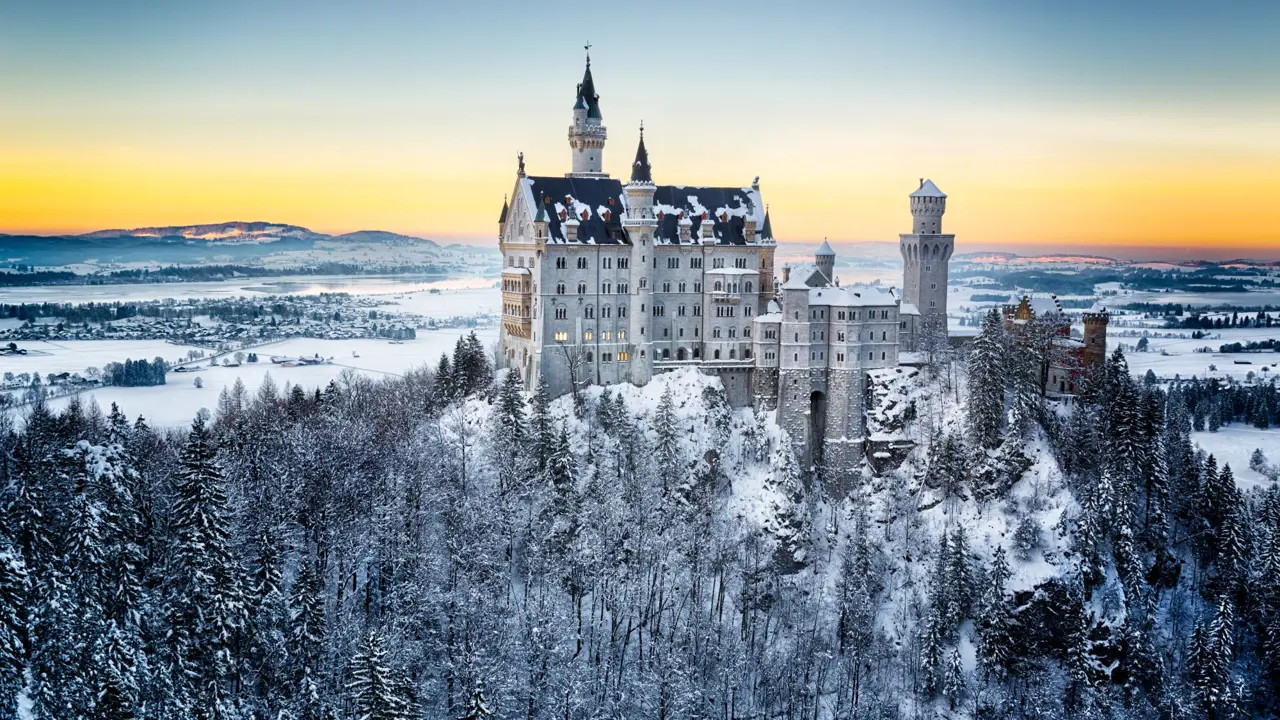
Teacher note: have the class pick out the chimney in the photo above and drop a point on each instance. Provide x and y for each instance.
(686, 229)
(571, 230)
(706, 233)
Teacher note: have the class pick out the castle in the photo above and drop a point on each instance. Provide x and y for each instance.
(607, 282)
(1067, 359)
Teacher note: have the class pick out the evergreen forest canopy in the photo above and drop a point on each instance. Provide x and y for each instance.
(448, 545)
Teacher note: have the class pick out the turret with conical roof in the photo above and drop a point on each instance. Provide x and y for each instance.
(825, 259)
(587, 133)
(640, 170)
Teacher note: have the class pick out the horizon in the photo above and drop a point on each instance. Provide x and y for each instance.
(1090, 129)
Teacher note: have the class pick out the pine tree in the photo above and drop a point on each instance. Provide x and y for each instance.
(13, 649)
(540, 425)
(931, 645)
(996, 621)
(1209, 662)
(306, 644)
(987, 382)
(206, 607)
(953, 684)
(667, 448)
(373, 690)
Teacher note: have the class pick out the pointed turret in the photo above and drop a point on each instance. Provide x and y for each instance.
(640, 170)
(587, 135)
(503, 217)
(766, 232)
(825, 259)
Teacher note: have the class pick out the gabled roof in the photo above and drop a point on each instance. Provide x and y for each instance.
(728, 208)
(928, 189)
(596, 204)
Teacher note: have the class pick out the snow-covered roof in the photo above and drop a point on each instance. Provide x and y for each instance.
(728, 209)
(928, 189)
(595, 204)
(852, 296)
(796, 282)
(733, 271)
(515, 271)
(825, 250)
(908, 309)
(772, 317)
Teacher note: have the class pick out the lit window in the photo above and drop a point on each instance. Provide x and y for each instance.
(588, 335)
(562, 336)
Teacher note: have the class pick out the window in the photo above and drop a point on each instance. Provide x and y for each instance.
(561, 263)
(606, 288)
(746, 287)
(606, 262)
(717, 286)
(589, 312)
(666, 287)
(715, 332)
(606, 335)
(717, 263)
(747, 311)
(680, 311)
(624, 356)
(746, 331)
(624, 263)
(770, 334)
(682, 287)
(882, 356)
(655, 262)
(588, 335)
(840, 315)
(839, 357)
(590, 357)
(511, 262)
(644, 283)
(839, 337)
(562, 313)
(697, 287)
(604, 311)
(740, 263)
(622, 311)
(733, 332)
(673, 263)
(621, 289)
(717, 355)
(582, 263)
(606, 357)
(559, 288)
(562, 336)
(695, 263)
(884, 335)
(666, 332)
(697, 311)
(582, 288)
(855, 315)
(622, 334)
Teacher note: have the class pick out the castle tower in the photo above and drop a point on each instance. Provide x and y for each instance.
(825, 259)
(640, 223)
(1095, 338)
(795, 392)
(926, 252)
(587, 133)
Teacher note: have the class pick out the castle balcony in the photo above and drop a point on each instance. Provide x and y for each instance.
(725, 297)
(517, 302)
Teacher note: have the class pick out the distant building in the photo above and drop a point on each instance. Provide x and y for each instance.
(1068, 359)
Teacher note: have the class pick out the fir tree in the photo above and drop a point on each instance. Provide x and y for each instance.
(953, 684)
(373, 690)
(540, 425)
(306, 644)
(987, 382)
(477, 708)
(206, 606)
(996, 622)
(13, 649)
(667, 447)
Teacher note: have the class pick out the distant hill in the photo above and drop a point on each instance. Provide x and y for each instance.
(253, 243)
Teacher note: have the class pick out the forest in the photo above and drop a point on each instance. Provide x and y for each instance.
(453, 545)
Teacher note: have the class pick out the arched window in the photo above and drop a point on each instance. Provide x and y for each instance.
(588, 335)
(589, 312)
(748, 287)
(582, 288)
(718, 285)
(590, 357)
(622, 311)
(717, 357)
(746, 354)
(559, 288)
(732, 353)
(582, 263)
(697, 353)
(666, 354)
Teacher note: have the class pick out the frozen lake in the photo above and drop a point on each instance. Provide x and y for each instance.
(426, 296)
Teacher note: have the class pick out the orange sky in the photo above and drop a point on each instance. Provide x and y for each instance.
(410, 120)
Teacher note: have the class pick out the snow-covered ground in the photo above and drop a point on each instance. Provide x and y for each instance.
(1183, 360)
(176, 402)
(1233, 444)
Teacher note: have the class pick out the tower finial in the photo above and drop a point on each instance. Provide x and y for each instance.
(587, 47)
(520, 160)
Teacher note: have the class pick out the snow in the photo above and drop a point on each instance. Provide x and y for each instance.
(1233, 444)
(928, 189)
(176, 402)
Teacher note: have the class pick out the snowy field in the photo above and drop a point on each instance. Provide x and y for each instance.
(1183, 360)
(1233, 444)
(176, 402)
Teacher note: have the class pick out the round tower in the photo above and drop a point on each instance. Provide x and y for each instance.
(640, 224)
(587, 133)
(825, 259)
(1095, 338)
(927, 207)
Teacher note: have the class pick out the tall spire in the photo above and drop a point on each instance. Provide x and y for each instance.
(640, 170)
(587, 96)
(766, 232)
